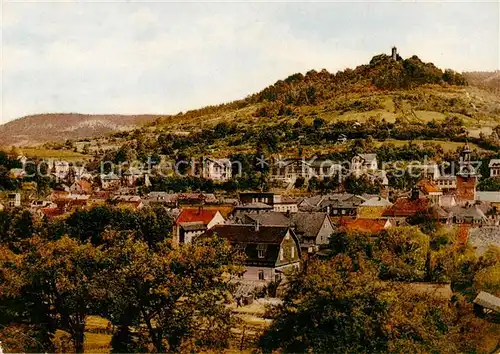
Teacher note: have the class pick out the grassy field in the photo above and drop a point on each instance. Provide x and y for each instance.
(446, 145)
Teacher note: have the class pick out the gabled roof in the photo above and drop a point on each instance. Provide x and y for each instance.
(429, 188)
(110, 177)
(51, 212)
(252, 238)
(472, 212)
(85, 185)
(494, 163)
(256, 205)
(196, 215)
(363, 225)
(488, 301)
(250, 234)
(376, 202)
(307, 224)
(368, 157)
(407, 207)
(268, 219)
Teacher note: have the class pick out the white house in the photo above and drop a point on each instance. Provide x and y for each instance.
(217, 169)
(494, 166)
(362, 163)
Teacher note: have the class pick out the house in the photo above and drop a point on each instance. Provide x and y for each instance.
(17, 173)
(491, 197)
(132, 175)
(363, 163)
(81, 187)
(409, 206)
(50, 212)
(371, 226)
(373, 208)
(110, 181)
(14, 200)
(195, 198)
(257, 197)
(61, 170)
(289, 170)
(285, 204)
(38, 204)
(217, 169)
(431, 191)
(71, 202)
(494, 167)
(446, 182)
(341, 205)
(468, 214)
(312, 228)
(133, 202)
(192, 222)
(486, 303)
(161, 198)
(271, 251)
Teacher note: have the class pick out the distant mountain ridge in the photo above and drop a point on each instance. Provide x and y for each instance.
(59, 127)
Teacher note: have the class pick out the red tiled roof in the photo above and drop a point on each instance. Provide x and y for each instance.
(85, 185)
(196, 214)
(51, 212)
(407, 207)
(429, 187)
(363, 225)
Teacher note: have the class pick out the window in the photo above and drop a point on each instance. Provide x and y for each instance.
(293, 251)
(277, 277)
(261, 274)
(240, 247)
(261, 251)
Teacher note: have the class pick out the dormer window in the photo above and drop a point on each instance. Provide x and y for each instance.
(240, 247)
(261, 250)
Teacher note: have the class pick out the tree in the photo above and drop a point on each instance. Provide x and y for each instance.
(177, 294)
(338, 308)
(402, 254)
(56, 281)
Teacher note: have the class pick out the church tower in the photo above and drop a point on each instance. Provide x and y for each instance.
(467, 176)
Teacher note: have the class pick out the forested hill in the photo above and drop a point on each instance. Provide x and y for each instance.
(381, 74)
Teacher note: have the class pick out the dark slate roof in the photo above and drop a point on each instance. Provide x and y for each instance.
(307, 224)
(249, 234)
(269, 237)
(268, 219)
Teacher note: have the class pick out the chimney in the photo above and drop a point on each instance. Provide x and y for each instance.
(415, 193)
(257, 225)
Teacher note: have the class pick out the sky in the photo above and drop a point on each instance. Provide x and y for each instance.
(163, 57)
